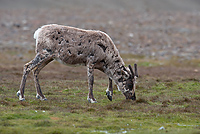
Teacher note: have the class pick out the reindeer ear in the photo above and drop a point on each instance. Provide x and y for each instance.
(136, 72)
(132, 73)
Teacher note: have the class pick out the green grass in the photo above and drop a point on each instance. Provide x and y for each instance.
(173, 105)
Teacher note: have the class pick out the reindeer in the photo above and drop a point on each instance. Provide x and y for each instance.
(70, 45)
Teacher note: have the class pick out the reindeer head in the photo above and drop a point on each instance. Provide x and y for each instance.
(129, 81)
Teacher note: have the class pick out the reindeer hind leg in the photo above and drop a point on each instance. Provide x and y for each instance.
(27, 68)
(36, 72)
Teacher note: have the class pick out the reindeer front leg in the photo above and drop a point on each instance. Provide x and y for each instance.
(109, 91)
(90, 72)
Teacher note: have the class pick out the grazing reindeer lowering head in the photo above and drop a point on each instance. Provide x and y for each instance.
(125, 79)
(70, 45)
(129, 84)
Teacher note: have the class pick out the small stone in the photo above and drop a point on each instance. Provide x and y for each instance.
(130, 34)
(161, 128)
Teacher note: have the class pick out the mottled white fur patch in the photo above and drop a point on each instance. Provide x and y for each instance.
(36, 35)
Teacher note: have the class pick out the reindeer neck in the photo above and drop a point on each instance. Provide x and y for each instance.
(114, 71)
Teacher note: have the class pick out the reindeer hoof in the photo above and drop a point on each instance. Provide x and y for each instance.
(18, 93)
(39, 97)
(44, 99)
(90, 100)
(108, 93)
(20, 97)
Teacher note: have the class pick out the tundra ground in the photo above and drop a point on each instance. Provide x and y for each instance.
(168, 99)
(161, 37)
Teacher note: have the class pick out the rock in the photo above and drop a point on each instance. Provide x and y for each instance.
(161, 128)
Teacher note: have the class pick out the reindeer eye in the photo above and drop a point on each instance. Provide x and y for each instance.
(130, 86)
